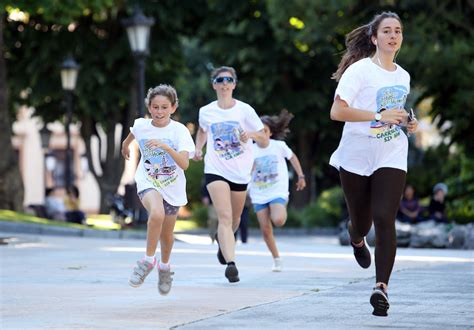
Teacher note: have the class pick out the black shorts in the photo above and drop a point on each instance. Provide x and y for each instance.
(233, 186)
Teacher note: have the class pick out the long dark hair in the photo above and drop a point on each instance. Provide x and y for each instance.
(278, 125)
(359, 42)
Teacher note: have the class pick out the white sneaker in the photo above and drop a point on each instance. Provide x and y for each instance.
(165, 280)
(276, 265)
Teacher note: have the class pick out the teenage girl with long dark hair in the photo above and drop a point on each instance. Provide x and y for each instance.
(372, 154)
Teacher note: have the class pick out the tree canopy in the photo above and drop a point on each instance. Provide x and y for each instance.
(284, 53)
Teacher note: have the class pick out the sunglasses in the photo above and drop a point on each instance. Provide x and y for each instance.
(221, 80)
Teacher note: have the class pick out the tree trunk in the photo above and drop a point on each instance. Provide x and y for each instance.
(112, 165)
(305, 152)
(11, 185)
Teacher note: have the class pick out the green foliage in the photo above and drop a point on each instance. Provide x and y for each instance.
(284, 52)
(326, 211)
(461, 191)
(430, 167)
(461, 211)
(295, 218)
(200, 215)
(194, 180)
(438, 53)
(452, 166)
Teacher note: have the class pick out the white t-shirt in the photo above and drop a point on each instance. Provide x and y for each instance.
(157, 169)
(270, 173)
(368, 146)
(226, 155)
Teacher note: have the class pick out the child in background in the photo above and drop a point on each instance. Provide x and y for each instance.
(165, 147)
(54, 204)
(72, 202)
(268, 189)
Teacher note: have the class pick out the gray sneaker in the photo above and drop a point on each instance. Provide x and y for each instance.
(164, 281)
(140, 272)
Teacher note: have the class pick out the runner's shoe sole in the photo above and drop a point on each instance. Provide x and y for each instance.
(379, 302)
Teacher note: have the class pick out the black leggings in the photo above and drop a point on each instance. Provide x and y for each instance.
(376, 197)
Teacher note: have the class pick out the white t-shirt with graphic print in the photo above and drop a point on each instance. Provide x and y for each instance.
(226, 155)
(157, 169)
(270, 172)
(368, 146)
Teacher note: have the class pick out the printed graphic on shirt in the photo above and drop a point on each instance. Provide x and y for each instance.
(393, 97)
(265, 172)
(226, 137)
(159, 166)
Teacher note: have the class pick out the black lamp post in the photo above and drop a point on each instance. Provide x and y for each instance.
(45, 135)
(69, 71)
(138, 31)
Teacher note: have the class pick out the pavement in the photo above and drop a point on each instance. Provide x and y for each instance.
(70, 282)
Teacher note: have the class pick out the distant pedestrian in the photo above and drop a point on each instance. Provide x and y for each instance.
(165, 147)
(74, 213)
(54, 203)
(268, 189)
(372, 154)
(410, 209)
(437, 207)
(228, 126)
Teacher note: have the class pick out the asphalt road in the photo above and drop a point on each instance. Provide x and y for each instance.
(56, 282)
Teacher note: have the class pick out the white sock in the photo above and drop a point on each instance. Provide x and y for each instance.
(151, 259)
(164, 266)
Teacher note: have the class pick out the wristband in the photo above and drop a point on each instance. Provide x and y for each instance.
(301, 176)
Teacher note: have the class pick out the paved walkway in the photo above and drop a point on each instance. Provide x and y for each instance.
(54, 282)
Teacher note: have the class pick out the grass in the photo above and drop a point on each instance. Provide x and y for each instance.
(94, 221)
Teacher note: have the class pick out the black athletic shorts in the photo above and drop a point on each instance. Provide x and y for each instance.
(233, 186)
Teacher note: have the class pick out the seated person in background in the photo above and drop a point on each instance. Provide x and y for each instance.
(438, 203)
(54, 204)
(410, 209)
(74, 213)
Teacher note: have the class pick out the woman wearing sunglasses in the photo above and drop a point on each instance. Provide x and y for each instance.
(228, 126)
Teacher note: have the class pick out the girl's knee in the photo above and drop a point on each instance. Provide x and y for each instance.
(225, 223)
(156, 217)
(279, 222)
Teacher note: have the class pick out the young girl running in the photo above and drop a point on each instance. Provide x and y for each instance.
(268, 189)
(227, 126)
(165, 147)
(372, 154)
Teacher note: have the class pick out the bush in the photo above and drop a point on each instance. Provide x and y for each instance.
(326, 211)
(194, 180)
(200, 215)
(295, 218)
(461, 211)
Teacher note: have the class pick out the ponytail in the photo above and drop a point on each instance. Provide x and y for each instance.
(278, 125)
(359, 43)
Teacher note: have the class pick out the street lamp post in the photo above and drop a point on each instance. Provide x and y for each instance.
(138, 31)
(69, 71)
(45, 135)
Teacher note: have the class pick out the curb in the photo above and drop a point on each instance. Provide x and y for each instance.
(40, 229)
(32, 228)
